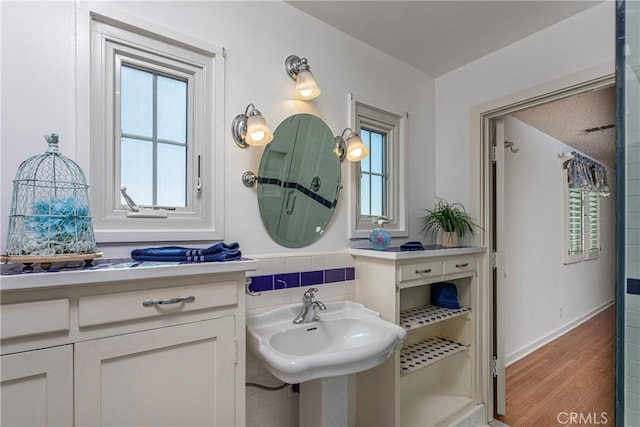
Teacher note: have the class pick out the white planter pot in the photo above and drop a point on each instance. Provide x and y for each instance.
(449, 240)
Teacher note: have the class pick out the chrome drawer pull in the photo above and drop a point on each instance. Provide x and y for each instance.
(466, 264)
(425, 271)
(167, 301)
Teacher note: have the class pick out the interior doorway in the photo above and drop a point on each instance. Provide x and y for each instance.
(549, 322)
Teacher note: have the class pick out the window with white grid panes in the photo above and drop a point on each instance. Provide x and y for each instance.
(153, 141)
(379, 177)
(154, 131)
(373, 175)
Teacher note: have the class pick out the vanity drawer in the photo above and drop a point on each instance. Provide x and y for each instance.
(31, 318)
(118, 307)
(459, 265)
(420, 270)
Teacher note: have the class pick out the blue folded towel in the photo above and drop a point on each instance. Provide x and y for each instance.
(444, 295)
(412, 246)
(218, 252)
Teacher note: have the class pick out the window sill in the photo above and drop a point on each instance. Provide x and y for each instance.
(162, 235)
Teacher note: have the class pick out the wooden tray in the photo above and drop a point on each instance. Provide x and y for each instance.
(46, 261)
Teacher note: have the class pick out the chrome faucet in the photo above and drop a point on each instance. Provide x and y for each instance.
(309, 306)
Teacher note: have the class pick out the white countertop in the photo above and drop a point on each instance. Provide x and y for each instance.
(394, 253)
(114, 271)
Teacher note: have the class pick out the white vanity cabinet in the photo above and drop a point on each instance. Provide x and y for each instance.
(185, 374)
(434, 379)
(37, 387)
(151, 346)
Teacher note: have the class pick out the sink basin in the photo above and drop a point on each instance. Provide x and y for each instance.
(348, 338)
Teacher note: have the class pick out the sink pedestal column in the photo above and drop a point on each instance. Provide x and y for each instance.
(325, 402)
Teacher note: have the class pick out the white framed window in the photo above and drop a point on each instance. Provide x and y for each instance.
(378, 181)
(374, 172)
(152, 112)
(156, 102)
(582, 224)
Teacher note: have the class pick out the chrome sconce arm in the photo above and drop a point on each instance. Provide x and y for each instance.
(250, 128)
(352, 148)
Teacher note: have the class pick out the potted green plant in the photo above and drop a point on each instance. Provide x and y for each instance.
(449, 219)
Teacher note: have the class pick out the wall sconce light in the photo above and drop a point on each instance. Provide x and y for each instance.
(250, 128)
(352, 147)
(298, 69)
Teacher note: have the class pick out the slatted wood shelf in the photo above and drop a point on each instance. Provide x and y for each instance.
(424, 353)
(417, 317)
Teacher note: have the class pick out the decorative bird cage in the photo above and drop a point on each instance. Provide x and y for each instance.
(50, 219)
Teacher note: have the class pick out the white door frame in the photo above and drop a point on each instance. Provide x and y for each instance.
(499, 272)
(481, 188)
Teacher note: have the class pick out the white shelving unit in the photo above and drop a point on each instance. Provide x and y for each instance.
(434, 379)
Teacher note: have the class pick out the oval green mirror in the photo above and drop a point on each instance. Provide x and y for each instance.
(299, 181)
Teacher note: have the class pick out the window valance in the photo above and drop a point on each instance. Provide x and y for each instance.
(586, 174)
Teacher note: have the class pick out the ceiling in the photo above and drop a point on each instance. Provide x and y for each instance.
(440, 36)
(568, 119)
(437, 37)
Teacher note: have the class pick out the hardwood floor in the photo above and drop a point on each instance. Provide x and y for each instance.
(569, 381)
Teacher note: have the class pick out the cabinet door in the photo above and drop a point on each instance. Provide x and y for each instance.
(176, 376)
(37, 388)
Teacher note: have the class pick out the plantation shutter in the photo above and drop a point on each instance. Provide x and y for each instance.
(575, 223)
(593, 225)
(586, 183)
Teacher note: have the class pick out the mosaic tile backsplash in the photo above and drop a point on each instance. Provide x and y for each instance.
(272, 282)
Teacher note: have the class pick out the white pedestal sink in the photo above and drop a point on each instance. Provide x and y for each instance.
(348, 338)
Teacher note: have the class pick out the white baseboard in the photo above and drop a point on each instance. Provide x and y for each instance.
(528, 349)
(474, 417)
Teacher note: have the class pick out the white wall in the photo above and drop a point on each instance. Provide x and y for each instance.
(543, 295)
(39, 84)
(579, 43)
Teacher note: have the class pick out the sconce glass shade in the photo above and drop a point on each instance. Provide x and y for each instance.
(306, 87)
(250, 128)
(298, 69)
(258, 133)
(353, 148)
(356, 150)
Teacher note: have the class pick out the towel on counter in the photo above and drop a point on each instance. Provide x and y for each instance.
(218, 252)
(444, 295)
